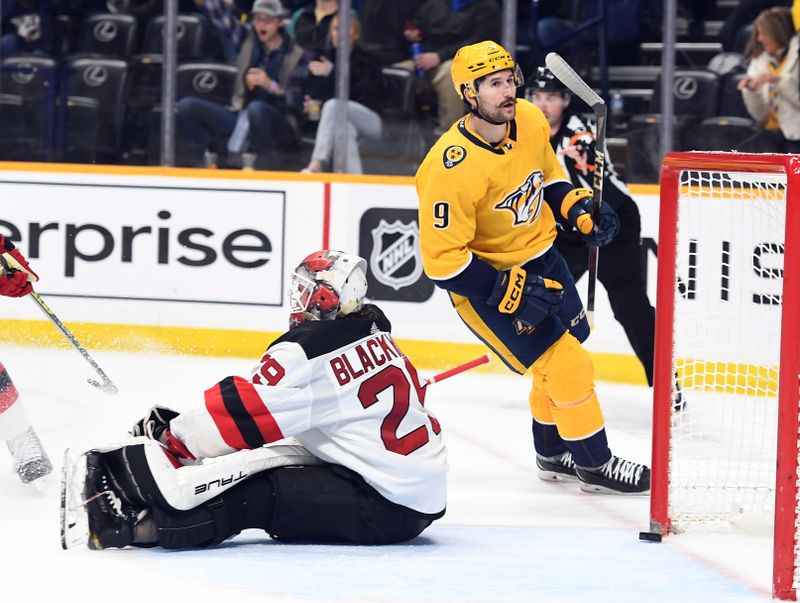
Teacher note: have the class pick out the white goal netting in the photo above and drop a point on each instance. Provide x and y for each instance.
(727, 330)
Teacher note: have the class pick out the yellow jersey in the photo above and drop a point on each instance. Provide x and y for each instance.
(488, 200)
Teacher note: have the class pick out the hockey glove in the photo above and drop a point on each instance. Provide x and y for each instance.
(15, 281)
(155, 423)
(156, 427)
(14, 284)
(577, 210)
(528, 298)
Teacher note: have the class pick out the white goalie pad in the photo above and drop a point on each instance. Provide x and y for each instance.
(74, 520)
(183, 488)
(186, 487)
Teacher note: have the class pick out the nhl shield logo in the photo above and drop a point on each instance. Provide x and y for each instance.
(394, 260)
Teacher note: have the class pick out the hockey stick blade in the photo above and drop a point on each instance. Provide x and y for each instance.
(572, 80)
(106, 387)
(486, 358)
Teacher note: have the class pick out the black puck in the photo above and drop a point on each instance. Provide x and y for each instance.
(650, 536)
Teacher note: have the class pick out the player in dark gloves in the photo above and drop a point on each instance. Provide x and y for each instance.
(490, 194)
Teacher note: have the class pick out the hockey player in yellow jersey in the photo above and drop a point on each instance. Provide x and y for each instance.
(490, 191)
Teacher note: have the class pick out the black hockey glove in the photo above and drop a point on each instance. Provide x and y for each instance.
(528, 298)
(576, 208)
(155, 423)
(605, 229)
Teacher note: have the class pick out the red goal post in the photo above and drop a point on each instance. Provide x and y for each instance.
(711, 210)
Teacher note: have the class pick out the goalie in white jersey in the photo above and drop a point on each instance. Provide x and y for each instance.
(370, 468)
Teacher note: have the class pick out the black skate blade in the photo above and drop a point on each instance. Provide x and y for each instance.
(74, 519)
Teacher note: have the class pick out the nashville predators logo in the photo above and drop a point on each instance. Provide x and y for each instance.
(525, 202)
(453, 155)
(522, 328)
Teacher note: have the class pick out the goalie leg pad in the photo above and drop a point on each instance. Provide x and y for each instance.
(334, 504)
(325, 503)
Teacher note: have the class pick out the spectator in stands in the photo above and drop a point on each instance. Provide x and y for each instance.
(771, 88)
(366, 90)
(310, 25)
(226, 18)
(743, 14)
(382, 23)
(27, 27)
(442, 27)
(266, 103)
(627, 24)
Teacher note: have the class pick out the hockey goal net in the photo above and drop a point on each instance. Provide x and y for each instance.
(727, 372)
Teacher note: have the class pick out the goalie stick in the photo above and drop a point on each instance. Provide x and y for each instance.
(581, 89)
(106, 385)
(486, 358)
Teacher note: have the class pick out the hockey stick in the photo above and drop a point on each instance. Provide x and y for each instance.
(107, 385)
(486, 358)
(576, 85)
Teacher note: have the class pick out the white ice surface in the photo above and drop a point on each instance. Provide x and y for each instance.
(506, 537)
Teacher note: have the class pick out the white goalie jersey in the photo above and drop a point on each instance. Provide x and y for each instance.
(347, 393)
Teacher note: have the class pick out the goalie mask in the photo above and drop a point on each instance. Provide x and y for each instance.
(327, 284)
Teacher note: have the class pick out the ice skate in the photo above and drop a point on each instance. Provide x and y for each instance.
(92, 512)
(556, 468)
(29, 458)
(111, 521)
(617, 476)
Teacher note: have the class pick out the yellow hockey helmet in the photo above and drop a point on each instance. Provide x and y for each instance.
(477, 60)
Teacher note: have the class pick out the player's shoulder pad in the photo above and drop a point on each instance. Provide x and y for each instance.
(321, 337)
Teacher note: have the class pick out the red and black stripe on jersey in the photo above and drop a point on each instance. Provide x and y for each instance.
(8, 393)
(321, 337)
(240, 415)
(242, 418)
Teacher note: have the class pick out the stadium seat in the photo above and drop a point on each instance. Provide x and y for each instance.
(105, 81)
(644, 136)
(211, 81)
(695, 93)
(27, 108)
(191, 34)
(80, 129)
(742, 37)
(731, 103)
(402, 145)
(108, 34)
(720, 134)
(727, 62)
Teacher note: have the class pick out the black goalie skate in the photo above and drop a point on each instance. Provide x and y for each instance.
(92, 511)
